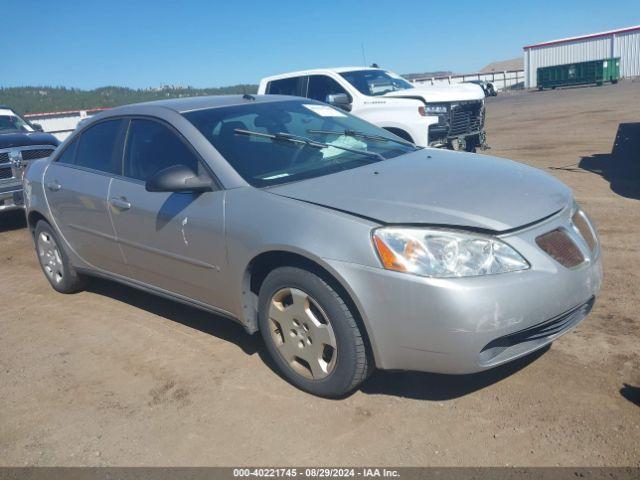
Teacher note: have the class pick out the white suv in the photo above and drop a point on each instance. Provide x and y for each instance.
(450, 116)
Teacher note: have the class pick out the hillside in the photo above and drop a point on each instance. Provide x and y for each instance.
(51, 99)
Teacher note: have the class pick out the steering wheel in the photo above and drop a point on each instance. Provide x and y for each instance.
(295, 159)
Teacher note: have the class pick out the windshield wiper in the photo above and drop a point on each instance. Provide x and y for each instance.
(356, 133)
(288, 137)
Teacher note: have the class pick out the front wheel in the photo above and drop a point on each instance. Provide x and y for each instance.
(311, 334)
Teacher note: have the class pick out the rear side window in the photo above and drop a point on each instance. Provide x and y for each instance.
(286, 86)
(320, 86)
(100, 147)
(69, 154)
(151, 147)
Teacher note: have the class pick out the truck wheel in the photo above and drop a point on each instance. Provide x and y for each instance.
(55, 262)
(400, 133)
(472, 144)
(310, 333)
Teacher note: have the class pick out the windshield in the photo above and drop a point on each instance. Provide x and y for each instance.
(277, 142)
(10, 122)
(376, 82)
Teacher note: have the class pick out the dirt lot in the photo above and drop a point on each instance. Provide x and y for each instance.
(112, 376)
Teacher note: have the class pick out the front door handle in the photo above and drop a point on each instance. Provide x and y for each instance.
(120, 203)
(54, 186)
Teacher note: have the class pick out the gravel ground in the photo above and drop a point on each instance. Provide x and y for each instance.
(112, 376)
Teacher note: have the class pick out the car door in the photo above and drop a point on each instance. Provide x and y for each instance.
(77, 185)
(172, 241)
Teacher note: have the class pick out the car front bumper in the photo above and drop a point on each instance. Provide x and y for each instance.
(465, 325)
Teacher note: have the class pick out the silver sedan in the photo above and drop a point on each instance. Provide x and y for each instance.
(345, 246)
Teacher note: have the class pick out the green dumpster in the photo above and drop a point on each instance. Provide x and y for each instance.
(583, 73)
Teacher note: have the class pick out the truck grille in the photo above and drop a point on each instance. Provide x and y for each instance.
(465, 118)
(28, 154)
(5, 172)
(35, 154)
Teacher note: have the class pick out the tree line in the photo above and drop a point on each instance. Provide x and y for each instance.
(51, 99)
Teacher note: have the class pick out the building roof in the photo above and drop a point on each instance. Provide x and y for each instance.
(504, 65)
(583, 37)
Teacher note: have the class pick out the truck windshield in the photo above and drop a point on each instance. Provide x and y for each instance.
(10, 122)
(269, 143)
(375, 82)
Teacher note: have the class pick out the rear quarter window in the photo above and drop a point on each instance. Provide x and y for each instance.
(286, 86)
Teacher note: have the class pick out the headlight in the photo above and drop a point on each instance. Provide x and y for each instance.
(433, 109)
(443, 254)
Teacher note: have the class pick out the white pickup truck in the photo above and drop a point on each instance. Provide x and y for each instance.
(450, 116)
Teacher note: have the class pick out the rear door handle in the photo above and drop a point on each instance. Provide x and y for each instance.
(54, 186)
(120, 203)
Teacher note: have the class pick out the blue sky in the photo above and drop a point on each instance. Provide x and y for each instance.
(140, 43)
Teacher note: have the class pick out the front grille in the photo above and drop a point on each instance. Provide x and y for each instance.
(35, 154)
(4, 157)
(585, 230)
(5, 173)
(538, 333)
(559, 245)
(465, 118)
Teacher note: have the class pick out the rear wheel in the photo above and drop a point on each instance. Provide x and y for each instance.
(310, 333)
(55, 262)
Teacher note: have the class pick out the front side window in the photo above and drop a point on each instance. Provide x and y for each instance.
(100, 147)
(151, 147)
(286, 86)
(320, 86)
(375, 82)
(269, 143)
(69, 154)
(10, 122)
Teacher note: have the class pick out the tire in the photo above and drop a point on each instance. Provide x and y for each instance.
(471, 145)
(330, 333)
(400, 133)
(54, 261)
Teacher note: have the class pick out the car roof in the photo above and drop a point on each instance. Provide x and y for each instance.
(187, 104)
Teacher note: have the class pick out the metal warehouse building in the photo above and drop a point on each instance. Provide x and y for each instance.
(623, 43)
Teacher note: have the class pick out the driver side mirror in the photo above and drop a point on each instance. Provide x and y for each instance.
(178, 178)
(340, 100)
(37, 127)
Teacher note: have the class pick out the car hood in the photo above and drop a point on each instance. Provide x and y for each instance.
(26, 139)
(441, 93)
(437, 187)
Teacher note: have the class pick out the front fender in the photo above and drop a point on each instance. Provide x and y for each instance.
(33, 186)
(257, 222)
